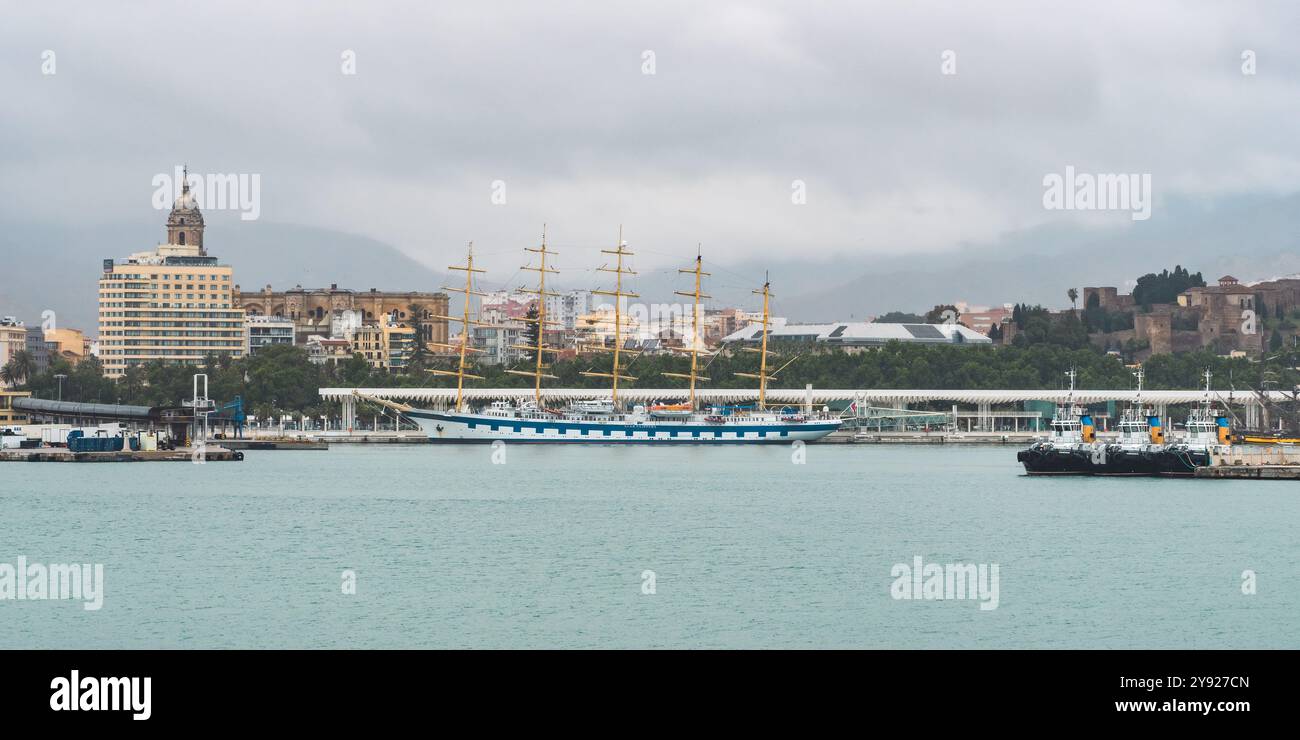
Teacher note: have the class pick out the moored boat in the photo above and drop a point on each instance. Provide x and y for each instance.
(606, 420)
(1137, 450)
(1069, 446)
(1208, 433)
(671, 410)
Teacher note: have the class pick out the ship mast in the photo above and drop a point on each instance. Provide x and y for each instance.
(1140, 373)
(463, 347)
(618, 295)
(762, 375)
(695, 327)
(540, 348)
(1208, 402)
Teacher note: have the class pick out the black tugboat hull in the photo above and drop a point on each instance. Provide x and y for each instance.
(1048, 461)
(1053, 462)
(1128, 462)
(1181, 463)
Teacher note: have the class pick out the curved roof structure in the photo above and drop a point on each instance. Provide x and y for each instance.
(884, 396)
(863, 334)
(82, 410)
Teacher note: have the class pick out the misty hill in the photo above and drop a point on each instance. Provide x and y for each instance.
(1252, 238)
(56, 266)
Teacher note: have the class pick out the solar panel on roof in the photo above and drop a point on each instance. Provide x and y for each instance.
(923, 331)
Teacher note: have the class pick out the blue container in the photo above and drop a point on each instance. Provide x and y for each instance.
(80, 443)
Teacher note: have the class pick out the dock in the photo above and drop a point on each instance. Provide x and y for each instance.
(1250, 472)
(274, 444)
(928, 438)
(381, 438)
(1253, 462)
(63, 454)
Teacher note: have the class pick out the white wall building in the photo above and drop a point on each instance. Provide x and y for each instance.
(343, 324)
(264, 331)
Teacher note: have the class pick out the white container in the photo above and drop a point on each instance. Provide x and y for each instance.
(55, 434)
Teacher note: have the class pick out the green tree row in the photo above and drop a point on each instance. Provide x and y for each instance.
(281, 379)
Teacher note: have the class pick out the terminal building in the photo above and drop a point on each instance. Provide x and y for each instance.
(861, 334)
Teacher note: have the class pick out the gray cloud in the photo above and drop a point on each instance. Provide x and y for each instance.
(550, 98)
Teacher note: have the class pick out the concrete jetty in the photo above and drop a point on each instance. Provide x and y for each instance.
(63, 454)
(1251, 472)
(274, 444)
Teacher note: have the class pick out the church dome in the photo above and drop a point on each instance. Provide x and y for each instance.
(185, 222)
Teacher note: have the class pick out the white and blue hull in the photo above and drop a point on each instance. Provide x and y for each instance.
(456, 427)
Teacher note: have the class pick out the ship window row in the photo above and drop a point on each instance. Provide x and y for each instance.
(648, 434)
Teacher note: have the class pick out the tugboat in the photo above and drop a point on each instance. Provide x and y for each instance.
(1070, 448)
(1207, 433)
(1140, 445)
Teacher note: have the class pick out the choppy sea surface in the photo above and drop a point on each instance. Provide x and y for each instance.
(585, 547)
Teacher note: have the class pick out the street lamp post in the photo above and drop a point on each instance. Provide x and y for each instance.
(60, 377)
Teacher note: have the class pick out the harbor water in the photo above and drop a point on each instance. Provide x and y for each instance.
(575, 546)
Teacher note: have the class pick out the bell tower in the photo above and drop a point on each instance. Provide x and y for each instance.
(185, 222)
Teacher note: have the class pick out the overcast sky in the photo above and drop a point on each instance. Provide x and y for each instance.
(551, 98)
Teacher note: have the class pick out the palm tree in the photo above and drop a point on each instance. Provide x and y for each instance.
(20, 368)
(1073, 293)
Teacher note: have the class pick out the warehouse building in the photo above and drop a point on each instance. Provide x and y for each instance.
(861, 334)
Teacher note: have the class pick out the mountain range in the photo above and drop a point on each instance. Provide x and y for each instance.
(55, 266)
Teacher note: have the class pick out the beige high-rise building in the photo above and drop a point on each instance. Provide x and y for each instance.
(174, 303)
(386, 345)
(70, 344)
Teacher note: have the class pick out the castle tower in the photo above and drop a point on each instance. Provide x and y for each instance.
(185, 222)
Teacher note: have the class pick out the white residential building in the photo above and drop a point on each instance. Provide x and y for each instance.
(263, 331)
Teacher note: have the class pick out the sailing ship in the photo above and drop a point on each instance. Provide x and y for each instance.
(608, 419)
